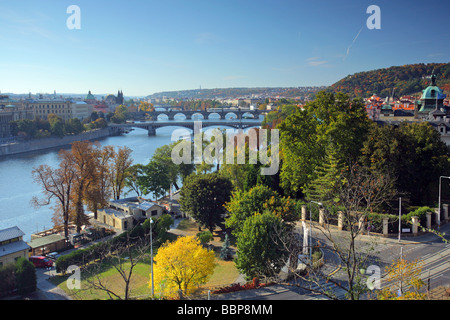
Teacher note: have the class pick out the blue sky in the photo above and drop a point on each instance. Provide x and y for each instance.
(143, 47)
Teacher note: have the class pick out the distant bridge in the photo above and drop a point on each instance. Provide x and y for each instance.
(221, 112)
(151, 126)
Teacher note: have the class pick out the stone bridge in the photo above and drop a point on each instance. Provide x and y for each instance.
(235, 113)
(151, 126)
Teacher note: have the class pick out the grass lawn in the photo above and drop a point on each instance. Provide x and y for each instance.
(225, 272)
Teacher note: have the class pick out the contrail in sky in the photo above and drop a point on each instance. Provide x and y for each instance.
(353, 42)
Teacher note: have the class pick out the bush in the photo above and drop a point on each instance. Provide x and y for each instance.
(205, 237)
(7, 279)
(420, 212)
(25, 273)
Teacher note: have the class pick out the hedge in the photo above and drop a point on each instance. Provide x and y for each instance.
(82, 257)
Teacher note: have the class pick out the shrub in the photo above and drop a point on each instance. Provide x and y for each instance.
(7, 279)
(420, 212)
(26, 280)
(205, 237)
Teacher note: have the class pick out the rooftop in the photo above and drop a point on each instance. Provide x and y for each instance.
(10, 233)
(46, 240)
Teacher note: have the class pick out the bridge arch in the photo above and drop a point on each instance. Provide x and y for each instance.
(230, 115)
(197, 116)
(180, 115)
(248, 114)
(162, 116)
(215, 116)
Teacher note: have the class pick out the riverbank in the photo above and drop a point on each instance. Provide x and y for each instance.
(51, 143)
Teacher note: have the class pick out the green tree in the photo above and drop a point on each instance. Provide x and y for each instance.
(330, 120)
(56, 125)
(73, 126)
(26, 281)
(120, 114)
(225, 251)
(155, 179)
(245, 204)
(203, 197)
(259, 254)
(412, 152)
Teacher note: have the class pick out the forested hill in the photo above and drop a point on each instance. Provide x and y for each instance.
(407, 80)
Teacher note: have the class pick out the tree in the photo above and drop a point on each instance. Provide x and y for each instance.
(56, 184)
(83, 158)
(155, 179)
(245, 204)
(404, 283)
(122, 257)
(225, 251)
(362, 193)
(135, 179)
(98, 192)
(203, 197)
(330, 120)
(25, 272)
(121, 161)
(205, 237)
(182, 265)
(412, 152)
(73, 126)
(56, 125)
(259, 254)
(120, 114)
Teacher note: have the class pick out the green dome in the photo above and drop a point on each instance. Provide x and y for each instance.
(431, 92)
(90, 96)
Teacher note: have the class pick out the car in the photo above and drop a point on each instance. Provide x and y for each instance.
(53, 256)
(41, 262)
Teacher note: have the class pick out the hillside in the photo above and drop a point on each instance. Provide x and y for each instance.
(238, 92)
(407, 80)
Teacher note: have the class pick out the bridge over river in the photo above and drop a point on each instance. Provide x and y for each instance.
(222, 113)
(151, 126)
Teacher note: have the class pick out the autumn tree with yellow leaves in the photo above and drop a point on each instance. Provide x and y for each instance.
(183, 265)
(404, 281)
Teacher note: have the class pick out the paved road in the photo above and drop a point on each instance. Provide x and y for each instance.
(429, 248)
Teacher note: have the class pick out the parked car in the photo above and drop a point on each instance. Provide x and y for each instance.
(53, 256)
(41, 262)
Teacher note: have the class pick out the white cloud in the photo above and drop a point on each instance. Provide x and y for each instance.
(315, 61)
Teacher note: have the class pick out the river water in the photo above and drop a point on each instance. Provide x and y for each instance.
(17, 187)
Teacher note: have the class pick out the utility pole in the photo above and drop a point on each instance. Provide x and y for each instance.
(400, 219)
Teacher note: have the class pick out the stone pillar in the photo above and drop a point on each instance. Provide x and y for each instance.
(385, 227)
(415, 225)
(361, 223)
(429, 220)
(304, 209)
(438, 216)
(151, 131)
(340, 220)
(445, 217)
(322, 216)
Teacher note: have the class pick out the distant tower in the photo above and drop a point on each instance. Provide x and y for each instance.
(119, 99)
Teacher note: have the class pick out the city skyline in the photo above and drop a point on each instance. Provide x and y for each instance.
(146, 47)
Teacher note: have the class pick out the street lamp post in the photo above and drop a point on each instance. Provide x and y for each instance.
(310, 230)
(151, 256)
(439, 208)
(399, 219)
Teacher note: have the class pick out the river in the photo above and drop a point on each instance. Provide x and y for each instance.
(17, 187)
